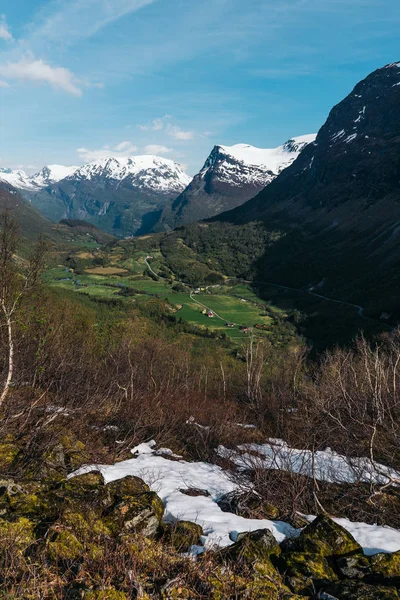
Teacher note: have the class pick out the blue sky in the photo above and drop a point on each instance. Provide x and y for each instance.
(84, 78)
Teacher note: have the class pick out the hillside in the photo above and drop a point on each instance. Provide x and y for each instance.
(32, 224)
(337, 207)
(230, 176)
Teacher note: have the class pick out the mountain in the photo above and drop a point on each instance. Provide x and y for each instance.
(32, 224)
(337, 207)
(230, 176)
(32, 183)
(120, 195)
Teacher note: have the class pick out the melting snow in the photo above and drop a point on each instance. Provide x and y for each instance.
(167, 477)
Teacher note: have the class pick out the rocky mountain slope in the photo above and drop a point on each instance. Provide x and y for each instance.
(337, 207)
(114, 194)
(230, 176)
(32, 224)
(32, 183)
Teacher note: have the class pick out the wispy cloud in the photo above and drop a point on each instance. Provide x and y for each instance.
(156, 124)
(163, 124)
(4, 84)
(65, 22)
(157, 149)
(179, 134)
(5, 33)
(121, 150)
(38, 71)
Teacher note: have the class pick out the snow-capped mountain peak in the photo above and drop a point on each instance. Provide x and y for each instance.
(46, 176)
(153, 172)
(243, 164)
(51, 174)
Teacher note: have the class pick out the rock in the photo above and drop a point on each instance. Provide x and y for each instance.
(323, 536)
(87, 489)
(249, 505)
(128, 486)
(353, 590)
(387, 566)
(252, 546)
(139, 513)
(304, 571)
(194, 492)
(19, 534)
(355, 566)
(65, 546)
(184, 534)
(8, 455)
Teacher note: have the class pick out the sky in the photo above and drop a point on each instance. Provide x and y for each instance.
(83, 79)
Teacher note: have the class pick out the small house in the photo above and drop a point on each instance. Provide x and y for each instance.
(210, 314)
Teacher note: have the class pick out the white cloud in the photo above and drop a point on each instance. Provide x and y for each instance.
(163, 124)
(36, 70)
(156, 124)
(5, 33)
(121, 150)
(157, 149)
(179, 134)
(4, 84)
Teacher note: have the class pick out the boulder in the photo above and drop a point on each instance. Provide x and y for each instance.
(248, 504)
(323, 536)
(386, 566)
(304, 572)
(354, 590)
(252, 546)
(184, 534)
(139, 513)
(354, 566)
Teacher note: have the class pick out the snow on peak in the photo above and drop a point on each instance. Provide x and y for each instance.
(271, 159)
(46, 176)
(52, 174)
(243, 164)
(153, 172)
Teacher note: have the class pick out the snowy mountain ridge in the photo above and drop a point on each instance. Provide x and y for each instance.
(46, 176)
(153, 172)
(244, 164)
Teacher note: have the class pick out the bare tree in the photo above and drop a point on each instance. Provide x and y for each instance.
(18, 277)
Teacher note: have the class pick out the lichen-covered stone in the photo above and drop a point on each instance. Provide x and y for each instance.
(251, 547)
(248, 504)
(8, 454)
(85, 486)
(184, 534)
(354, 566)
(324, 536)
(19, 534)
(140, 513)
(126, 487)
(304, 570)
(354, 590)
(386, 566)
(65, 546)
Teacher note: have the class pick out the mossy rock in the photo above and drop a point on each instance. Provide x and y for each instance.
(304, 571)
(64, 546)
(323, 536)
(250, 547)
(8, 456)
(126, 487)
(141, 513)
(354, 590)
(386, 566)
(354, 566)
(109, 594)
(184, 534)
(33, 500)
(248, 504)
(20, 534)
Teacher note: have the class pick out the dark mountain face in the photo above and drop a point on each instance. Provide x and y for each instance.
(338, 205)
(230, 176)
